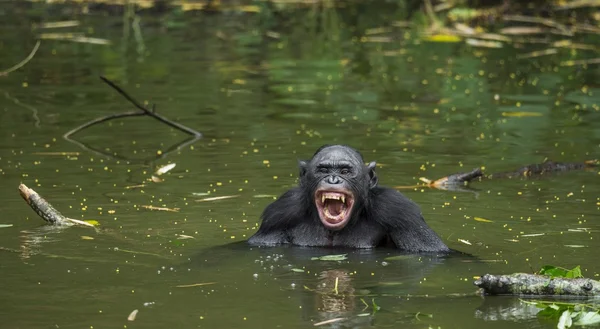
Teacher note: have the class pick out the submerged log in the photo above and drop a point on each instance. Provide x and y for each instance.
(45, 210)
(534, 284)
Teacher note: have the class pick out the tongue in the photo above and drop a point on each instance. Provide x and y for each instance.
(335, 207)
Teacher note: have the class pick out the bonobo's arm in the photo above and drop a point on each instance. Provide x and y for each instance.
(278, 217)
(403, 220)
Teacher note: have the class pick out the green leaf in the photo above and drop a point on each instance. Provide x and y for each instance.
(588, 318)
(298, 270)
(331, 257)
(550, 312)
(565, 320)
(561, 272)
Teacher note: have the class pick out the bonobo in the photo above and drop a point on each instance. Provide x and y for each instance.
(338, 203)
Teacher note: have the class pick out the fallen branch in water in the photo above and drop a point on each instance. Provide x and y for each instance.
(195, 135)
(535, 284)
(45, 209)
(23, 62)
(460, 181)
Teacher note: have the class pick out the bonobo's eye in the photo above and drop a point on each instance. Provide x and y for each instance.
(323, 170)
(345, 171)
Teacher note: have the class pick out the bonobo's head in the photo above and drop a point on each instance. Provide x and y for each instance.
(338, 182)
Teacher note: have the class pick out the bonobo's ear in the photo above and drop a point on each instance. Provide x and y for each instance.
(303, 168)
(372, 175)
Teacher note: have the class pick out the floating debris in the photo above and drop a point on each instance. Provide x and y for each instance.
(57, 25)
(132, 315)
(160, 208)
(165, 169)
(217, 198)
(539, 53)
(339, 257)
(465, 242)
(195, 285)
(483, 43)
(328, 321)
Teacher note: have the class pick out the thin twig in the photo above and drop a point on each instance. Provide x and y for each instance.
(195, 135)
(100, 120)
(151, 112)
(23, 62)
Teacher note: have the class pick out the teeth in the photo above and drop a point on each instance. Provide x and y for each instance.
(323, 198)
(343, 199)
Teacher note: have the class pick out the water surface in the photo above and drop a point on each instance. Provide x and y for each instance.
(267, 90)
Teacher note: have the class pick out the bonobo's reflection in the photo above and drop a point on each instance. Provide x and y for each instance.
(336, 293)
(365, 274)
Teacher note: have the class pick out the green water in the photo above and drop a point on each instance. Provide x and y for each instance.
(266, 90)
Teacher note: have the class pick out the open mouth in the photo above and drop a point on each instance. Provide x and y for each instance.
(334, 207)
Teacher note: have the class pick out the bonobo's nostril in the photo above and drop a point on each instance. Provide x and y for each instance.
(333, 180)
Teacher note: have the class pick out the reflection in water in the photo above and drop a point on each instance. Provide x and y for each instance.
(336, 293)
(33, 240)
(505, 309)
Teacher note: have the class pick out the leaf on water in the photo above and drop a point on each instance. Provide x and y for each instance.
(56, 153)
(588, 318)
(538, 53)
(521, 114)
(328, 321)
(580, 62)
(298, 270)
(465, 242)
(195, 285)
(217, 198)
(134, 186)
(61, 24)
(74, 37)
(339, 257)
(295, 101)
(160, 208)
(248, 8)
(183, 237)
(5, 225)
(484, 43)
(519, 30)
(565, 320)
(443, 38)
(200, 193)
(165, 169)
(532, 235)
(480, 219)
(363, 314)
(85, 237)
(132, 315)
(425, 180)
(260, 196)
(92, 222)
(463, 28)
(575, 246)
(156, 179)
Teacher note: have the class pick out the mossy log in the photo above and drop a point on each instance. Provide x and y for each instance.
(539, 285)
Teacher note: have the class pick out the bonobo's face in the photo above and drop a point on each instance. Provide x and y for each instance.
(338, 180)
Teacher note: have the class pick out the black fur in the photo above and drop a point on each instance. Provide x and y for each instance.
(380, 216)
